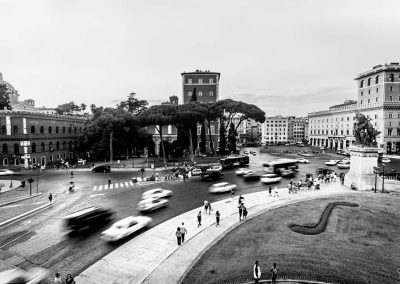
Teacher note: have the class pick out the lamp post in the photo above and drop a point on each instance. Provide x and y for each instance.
(11, 181)
(383, 176)
(376, 171)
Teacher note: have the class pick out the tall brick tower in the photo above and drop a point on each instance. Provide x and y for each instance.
(206, 84)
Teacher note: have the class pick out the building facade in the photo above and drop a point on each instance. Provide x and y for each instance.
(275, 130)
(378, 98)
(296, 129)
(206, 84)
(31, 138)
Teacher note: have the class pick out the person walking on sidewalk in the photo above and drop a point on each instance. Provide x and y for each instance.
(240, 211)
(209, 208)
(217, 216)
(270, 191)
(183, 232)
(50, 197)
(240, 199)
(69, 279)
(232, 192)
(178, 235)
(256, 273)
(276, 191)
(274, 273)
(206, 206)
(57, 279)
(244, 212)
(109, 182)
(199, 219)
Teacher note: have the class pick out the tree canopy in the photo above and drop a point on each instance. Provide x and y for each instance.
(69, 108)
(4, 97)
(133, 105)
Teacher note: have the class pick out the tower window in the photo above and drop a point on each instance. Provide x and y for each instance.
(369, 82)
(200, 81)
(189, 81)
(211, 94)
(362, 84)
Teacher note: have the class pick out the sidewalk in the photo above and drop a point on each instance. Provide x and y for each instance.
(152, 257)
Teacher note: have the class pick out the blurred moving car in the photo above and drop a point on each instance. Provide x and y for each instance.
(252, 176)
(322, 148)
(270, 178)
(214, 169)
(31, 276)
(150, 204)
(222, 187)
(104, 168)
(288, 173)
(246, 152)
(303, 161)
(125, 227)
(156, 193)
(6, 172)
(243, 171)
(385, 160)
(88, 217)
(332, 162)
(196, 172)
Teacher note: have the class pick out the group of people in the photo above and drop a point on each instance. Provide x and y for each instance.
(328, 177)
(242, 209)
(257, 273)
(180, 234)
(68, 280)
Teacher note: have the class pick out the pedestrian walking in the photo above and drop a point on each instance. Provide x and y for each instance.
(50, 197)
(209, 208)
(240, 210)
(300, 184)
(178, 236)
(217, 216)
(206, 206)
(199, 219)
(274, 273)
(270, 191)
(244, 212)
(241, 198)
(183, 232)
(256, 273)
(69, 279)
(232, 192)
(109, 182)
(57, 279)
(184, 177)
(276, 191)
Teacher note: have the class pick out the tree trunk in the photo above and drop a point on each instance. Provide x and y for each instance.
(209, 135)
(111, 146)
(162, 145)
(191, 146)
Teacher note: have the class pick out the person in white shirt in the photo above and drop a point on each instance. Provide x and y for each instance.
(256, 273)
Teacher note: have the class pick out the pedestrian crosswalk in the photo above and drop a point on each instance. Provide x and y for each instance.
(113, 186)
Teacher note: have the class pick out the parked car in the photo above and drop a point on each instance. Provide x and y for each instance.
(31, 276)
(302, 160)
(87, 218)
(221, 187)
(125, 227)
(243, 171)
(156, 193)
(6, 172)
(270, 178)
(151, 204)
(214, 169)
(196, 172)
(104, 168)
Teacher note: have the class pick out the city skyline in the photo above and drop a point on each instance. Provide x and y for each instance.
(279, 56)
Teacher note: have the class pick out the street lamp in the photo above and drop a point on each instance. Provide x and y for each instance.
(383, 176)
(376, 171)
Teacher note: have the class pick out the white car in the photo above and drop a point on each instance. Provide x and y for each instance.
(156, 193)
(196, 172)
(221, 187)
(31, 276)
(304, 161)
(385, 160)
(246, 152)
(332, 162)
(125, 227)
(151, 204)
(5, 172)
(214, 169)
(243, 171)
(270, 178)
(82, 161)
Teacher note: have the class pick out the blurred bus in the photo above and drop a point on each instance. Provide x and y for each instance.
(230, 162)
(278, 166)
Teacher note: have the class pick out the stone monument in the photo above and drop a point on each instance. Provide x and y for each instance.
(363, 155)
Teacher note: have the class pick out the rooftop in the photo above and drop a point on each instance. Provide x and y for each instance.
(393, 66)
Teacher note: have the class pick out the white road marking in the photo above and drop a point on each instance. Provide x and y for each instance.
(111, 186)
(95, 188)
(131, 183)
(126, 184)
(100, 187)
(116, 185)
(121, 184)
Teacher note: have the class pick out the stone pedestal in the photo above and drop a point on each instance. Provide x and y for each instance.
(362, 163)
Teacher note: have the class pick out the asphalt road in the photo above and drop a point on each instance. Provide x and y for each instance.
(42, 240)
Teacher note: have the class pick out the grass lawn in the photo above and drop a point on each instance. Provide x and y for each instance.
(360, 244)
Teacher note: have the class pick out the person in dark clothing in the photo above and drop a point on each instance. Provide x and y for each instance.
(244, 213)
(178, 236)
(217, 216)
(69, 279)
(270, 191)
(240, 210)
(274, 273)
(199, 219)
(50, 197)
(109, 182)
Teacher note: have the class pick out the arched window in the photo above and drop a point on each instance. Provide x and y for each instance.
(32, 129)
(377, 79)
(3, 129)
(15, 129)
(57, 129)
(75, 130)
(5, 148)
(33, 147)
(41, 129)
(51, 149)
(42, 146)
(362, 84)
(64, 129)
(16, 149)
(50, 129)
(76, 144)
(5, 162)
(58, 145)
(63, 145)
(70, 129)
(70, 145)
(80, 129)
(391, 78)
(369, 82)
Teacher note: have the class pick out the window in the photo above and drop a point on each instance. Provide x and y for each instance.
(63, 144)
(362, 84)
(369, 81)
(51, 149)
(198, 129)
(3, 129)
(200, 81)
(341, 132)
(33, 147)
(15, 129)
(391, 78)
(70, 129)
(64, 129)
(57, 129)
(212, 129)
(376, 99)
(5, 162)
(50, 130)
(362, 93)
(377, 90)
(347, 132)
(361, 102)
(189, 94)
(70, 145)
(58, 145)
(390, 115)
(390, 123)
(369, 92)
(75, 130)
(41, 129)
(389, 132)
(376, 116)
(5, 148)
(390, 98)
(211, 94)
(58, 157)
(211, 80)
(377, 80)
(348, 118)
(32, 129)
(34, 160)
(398, 131)
(368, 100)
(200, 94)
(391, 89)
(16, 149)
(189, 81)
(42, 147)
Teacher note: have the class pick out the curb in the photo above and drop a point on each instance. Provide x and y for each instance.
(20, 199)
(26, 214)
(292, 280)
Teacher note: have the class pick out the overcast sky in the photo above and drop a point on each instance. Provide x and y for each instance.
(288, 57)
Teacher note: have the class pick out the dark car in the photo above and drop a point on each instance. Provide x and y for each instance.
(101, 168)
(252, 176)
(323, 171)
(212, 176)
(91, 217)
